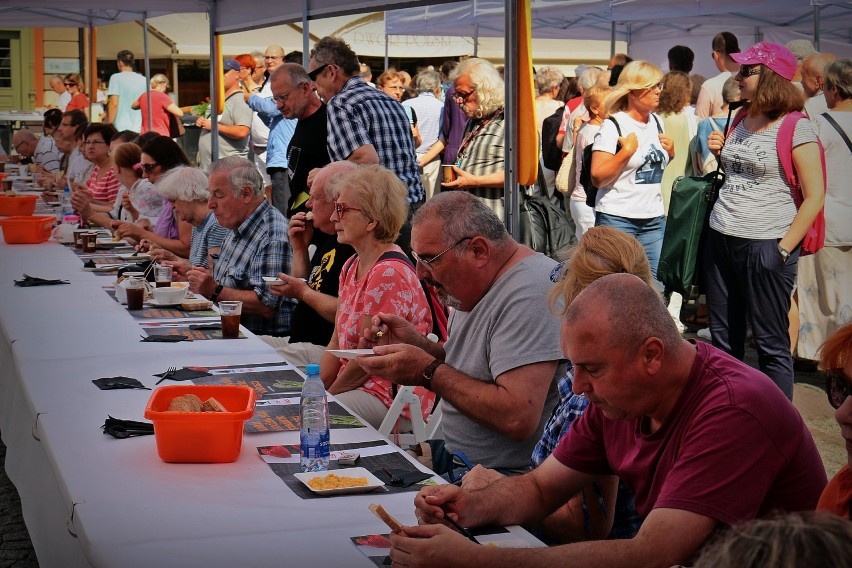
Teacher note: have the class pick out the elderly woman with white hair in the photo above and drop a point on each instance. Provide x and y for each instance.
(479, 165)
(186, 190)
(162, 106)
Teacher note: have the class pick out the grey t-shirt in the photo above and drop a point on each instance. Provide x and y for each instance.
(511, 326)
(236, 113)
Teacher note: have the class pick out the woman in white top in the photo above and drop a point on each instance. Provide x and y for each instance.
(756, 229)
(825, 278)
(628, 167)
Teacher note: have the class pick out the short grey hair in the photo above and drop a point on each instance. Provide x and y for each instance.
(184, 183)
(332, 176)
(296, 74)
(462, 215)
(838, 75)
(485, 78)
(241, 173)
(159, 79)
(589, 78)
(547, 78)
(427, 82)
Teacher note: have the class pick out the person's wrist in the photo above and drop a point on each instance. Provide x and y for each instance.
(216, 291)
(429, 373)
(785, 254)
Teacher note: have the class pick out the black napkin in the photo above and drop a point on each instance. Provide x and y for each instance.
(163, 338)
(118, 428)
(36, 281)
(184, 375)
(111, 383)
(90, 264)
(408, 477)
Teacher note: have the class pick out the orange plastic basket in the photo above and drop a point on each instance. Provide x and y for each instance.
(27, 230)
(17, 204)
(200, 437)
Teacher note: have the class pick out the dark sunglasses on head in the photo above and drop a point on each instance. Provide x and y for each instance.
(837, 387)
(316, 72)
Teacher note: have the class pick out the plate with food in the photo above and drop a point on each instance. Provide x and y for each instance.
(340, 481)
(350, 353)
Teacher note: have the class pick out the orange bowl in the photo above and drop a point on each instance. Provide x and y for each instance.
(17, 204)
(200, 437)
(27, 230)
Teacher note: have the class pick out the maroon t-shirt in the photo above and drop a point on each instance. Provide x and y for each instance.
(733, 449)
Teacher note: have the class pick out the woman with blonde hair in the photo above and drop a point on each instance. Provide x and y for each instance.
(77, 89)
(628, 160)
(391, 83)
(370, 208)
(757, 226)
(162, 107)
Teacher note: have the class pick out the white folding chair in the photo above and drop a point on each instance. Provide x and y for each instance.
(420, 430)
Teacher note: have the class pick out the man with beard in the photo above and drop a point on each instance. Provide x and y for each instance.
(495, 372)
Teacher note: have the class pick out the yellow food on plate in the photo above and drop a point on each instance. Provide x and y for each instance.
(333, 481)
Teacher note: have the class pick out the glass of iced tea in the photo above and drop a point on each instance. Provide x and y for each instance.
(163, 276)
(230, 311)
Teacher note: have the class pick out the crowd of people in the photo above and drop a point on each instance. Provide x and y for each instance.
(571, 404)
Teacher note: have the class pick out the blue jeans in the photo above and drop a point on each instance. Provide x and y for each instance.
(649, 233)
(748, 283)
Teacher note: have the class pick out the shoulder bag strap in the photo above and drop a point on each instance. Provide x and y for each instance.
(839, 130)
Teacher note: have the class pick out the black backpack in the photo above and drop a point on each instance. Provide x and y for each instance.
(551, 154)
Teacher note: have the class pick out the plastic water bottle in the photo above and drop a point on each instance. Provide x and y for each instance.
(314, 423)
(66, 209)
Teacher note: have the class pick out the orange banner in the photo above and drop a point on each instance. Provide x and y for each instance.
(218, 73)
(527, 150)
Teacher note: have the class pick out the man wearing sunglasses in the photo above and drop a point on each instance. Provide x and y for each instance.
(495, 372)
(836, 359)
(365, 125)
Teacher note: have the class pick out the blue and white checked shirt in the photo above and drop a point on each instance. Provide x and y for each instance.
(280, 130)
(258, 247)
(430, 113)
(209, 235)
(359, 115)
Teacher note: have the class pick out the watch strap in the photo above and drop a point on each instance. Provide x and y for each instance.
(429, 372)
(215, 295)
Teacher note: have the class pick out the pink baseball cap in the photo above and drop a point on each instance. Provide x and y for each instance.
(772, 55)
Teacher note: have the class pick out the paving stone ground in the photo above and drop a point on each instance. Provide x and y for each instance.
(16, 550)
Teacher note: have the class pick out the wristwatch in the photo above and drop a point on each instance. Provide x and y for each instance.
(785, 254)
(215, 295)
(429, 372)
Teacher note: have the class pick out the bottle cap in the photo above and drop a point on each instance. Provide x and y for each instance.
(312, 369)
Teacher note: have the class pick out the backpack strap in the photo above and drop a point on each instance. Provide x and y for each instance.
(785, 150)
(839, 130)
(617, 127)
(659, 126)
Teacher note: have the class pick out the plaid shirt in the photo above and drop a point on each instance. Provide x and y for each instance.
(359, 115)
(569, 407)
(209, 235)
(258, 247)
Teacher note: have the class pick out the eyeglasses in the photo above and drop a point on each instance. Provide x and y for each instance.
(148, 168)
(316, 72)
(429, 262)
(749, 70)
(342, 208)
(93, 142)
(461, 97)
(18, 145)
(837, 387)
(282, 98)
(70, 84)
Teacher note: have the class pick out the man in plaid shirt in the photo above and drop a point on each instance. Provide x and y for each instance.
(256, 246)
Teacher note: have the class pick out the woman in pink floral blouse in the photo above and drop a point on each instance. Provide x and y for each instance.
(370, 209)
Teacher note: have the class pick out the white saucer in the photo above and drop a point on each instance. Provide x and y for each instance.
(350, 353)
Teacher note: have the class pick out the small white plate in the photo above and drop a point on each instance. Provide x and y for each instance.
(103, 268)
(158, 303)
(272, 281)
(111, 243)
(133, 258)
(373, 482)
(350, 353)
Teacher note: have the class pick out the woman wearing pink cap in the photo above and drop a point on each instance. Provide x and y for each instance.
(756, 227)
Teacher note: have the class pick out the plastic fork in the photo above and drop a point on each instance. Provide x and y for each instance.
(167, 375)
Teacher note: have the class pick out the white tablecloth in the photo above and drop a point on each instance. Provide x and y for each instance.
(92, 500)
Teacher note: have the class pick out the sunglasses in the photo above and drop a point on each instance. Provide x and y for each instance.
(70, 84)
(316, 72)
(148, 168)
(342, 208)
(429, 262)
(837, 387)
(749, 70)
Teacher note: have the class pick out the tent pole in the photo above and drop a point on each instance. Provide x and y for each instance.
(476, 40)
(510, 184)
(147, 66)
(387, 46)
(306, 37)
(91, 64)
(612, 39)
(214, 86)
(816, 27)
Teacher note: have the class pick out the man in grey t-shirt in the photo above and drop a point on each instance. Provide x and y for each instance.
(495, 372)
(234, 123)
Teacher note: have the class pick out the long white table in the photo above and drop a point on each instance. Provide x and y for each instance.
(92, 500)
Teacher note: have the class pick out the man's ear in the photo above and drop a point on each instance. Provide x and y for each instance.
(652, 352)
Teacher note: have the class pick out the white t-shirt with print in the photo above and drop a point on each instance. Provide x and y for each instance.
(636, 193)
